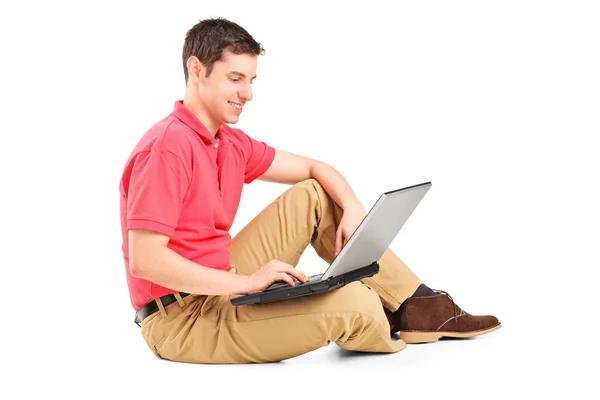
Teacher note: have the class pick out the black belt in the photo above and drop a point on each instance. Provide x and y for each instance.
(151, 307)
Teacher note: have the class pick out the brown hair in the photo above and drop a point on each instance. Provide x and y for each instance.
(210, 37)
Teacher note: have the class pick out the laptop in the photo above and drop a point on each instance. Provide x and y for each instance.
(359, 257)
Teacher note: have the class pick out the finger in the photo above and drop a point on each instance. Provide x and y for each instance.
(291, 270)
(297, 274)
(338, 242)
(285, 277)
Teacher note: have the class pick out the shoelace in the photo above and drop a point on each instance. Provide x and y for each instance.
(453, 305)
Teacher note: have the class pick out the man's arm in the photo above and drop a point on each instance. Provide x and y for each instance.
(290, 168)
(151, 259)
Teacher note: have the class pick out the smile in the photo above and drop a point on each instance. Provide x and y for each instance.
(236, 105)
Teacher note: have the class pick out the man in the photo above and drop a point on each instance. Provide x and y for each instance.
(180, 191)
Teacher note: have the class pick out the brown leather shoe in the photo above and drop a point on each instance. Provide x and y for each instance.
(425, 319)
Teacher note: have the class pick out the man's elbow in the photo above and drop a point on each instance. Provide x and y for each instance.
(136, 268)
(142, 262)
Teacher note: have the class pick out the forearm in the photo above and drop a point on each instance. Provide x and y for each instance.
(167, 268)
(335, 184)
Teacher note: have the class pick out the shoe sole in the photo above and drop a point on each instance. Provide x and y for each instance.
(428, 337)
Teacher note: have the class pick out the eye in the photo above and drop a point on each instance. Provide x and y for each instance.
(234, 79)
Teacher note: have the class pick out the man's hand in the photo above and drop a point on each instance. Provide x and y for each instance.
(351, 219)
(272, 272)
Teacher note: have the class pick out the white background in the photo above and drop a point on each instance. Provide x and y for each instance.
(496, 103)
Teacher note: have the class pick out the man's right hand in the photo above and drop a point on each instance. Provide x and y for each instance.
(271, 272)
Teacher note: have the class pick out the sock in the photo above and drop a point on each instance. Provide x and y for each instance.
(423, 290)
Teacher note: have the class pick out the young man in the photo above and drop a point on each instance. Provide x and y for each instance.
(180, 191)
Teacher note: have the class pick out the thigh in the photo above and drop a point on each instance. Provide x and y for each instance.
(282, 231)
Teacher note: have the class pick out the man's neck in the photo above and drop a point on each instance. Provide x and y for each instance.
(202, 116)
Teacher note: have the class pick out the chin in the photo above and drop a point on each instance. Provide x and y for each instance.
(231, 119)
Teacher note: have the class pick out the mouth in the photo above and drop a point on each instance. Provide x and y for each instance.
(236, 106)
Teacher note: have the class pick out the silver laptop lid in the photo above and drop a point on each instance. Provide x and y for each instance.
(378, 229)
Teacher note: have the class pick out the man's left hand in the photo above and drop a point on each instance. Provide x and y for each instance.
(350, 221)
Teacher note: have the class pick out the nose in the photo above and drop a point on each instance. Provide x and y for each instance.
(246, 92)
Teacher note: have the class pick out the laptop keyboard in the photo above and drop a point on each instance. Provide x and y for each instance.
(311, 279)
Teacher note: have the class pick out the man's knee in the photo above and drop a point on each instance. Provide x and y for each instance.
(310, 185)
(359, 298)
(313, 189)
(308, 182)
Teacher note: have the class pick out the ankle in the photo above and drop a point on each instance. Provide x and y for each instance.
(423, 291)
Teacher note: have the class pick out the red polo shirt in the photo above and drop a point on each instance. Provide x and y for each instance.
(181, 182)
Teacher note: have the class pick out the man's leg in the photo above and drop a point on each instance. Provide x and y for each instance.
(305, 214)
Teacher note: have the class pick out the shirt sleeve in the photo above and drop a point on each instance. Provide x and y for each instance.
(259, 157)
(158, 183)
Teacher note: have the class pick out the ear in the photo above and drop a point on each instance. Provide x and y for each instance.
(195, 69)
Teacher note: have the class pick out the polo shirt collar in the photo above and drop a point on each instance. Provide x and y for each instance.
(181, 112)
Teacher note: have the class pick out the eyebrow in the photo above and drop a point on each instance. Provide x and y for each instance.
(240, 74)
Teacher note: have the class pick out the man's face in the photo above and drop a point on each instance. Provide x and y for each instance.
(228, 87)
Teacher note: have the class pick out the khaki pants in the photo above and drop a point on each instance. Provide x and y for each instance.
(208, 329)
